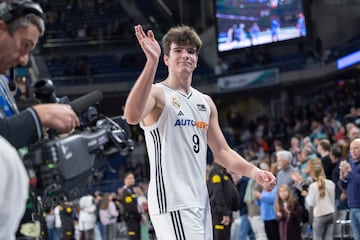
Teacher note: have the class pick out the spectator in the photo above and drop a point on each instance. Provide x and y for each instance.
(349, 176)
(353, 132)
(245, 230)
(100, 229)
(340, 193)
(108, 215)
(306, 153)
(257, 224)
(121, 227)
(87, 217)
(295, 150)
(266, 201)
(288, 214)
(58, 223)
(50, 223)
(323, 149)
(283, 160)
(302, 186)
(321, 196)
(143, 206)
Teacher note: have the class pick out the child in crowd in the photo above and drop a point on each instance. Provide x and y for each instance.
(288, 214)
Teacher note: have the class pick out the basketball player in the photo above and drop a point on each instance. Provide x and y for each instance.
(179, 123)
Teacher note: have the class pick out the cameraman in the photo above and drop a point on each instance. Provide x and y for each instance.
(21, 24)
(19, 33)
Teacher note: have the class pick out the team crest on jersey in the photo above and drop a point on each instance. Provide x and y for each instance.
(175, 102)
(201, 107)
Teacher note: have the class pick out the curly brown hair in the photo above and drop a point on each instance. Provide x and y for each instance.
(182, 35)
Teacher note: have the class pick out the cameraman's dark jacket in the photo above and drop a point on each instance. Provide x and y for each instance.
(222, 192)
(22, 128)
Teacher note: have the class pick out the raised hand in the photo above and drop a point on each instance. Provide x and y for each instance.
(148, 43)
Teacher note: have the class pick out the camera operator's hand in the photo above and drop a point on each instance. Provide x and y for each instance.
(57, 116)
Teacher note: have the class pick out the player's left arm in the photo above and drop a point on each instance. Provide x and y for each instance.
(230, 159)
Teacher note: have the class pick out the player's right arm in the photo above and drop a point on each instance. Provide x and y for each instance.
(142, 100)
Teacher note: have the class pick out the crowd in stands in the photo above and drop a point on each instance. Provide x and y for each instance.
(304, 146)
(305, 170)
(86, 20)
(122, 214)
(63, 65)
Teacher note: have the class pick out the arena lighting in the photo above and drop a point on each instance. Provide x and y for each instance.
(348, 60)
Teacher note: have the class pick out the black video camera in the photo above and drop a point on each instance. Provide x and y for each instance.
(66, 167)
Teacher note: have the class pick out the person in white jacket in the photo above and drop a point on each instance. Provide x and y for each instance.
(321, 196)
(87, 217)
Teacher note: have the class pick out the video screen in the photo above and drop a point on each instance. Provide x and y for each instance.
(247, 23)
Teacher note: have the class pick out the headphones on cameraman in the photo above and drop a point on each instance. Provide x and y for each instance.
(13, 11)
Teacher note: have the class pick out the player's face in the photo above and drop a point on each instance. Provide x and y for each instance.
(182, 58)
(15, 48)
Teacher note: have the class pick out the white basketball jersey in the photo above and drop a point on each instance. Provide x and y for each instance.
(177, 150)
